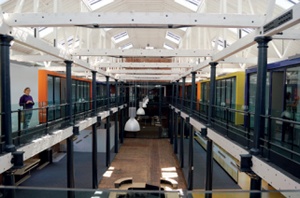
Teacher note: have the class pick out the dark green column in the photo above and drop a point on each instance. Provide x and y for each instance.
(160, 102)
(94, 134)
(176, 120)
(260, 101)
(191, 135)
(6, 123)
(181, 125)
(172, 114)
(122, 94)
(209, 167)
(116, 118)
(212, 90)
(70, 146)
(108, 123)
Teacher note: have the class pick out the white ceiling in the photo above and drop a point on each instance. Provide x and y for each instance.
(146, 23)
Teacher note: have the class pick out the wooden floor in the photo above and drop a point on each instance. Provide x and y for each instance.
(146, 161)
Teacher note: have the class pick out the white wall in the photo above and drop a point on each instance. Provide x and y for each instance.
(21, 77)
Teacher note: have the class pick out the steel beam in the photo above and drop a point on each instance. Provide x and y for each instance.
(133, 20)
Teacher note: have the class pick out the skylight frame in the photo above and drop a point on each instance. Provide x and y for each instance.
(93, 5)
(190, 4)
(286, 4)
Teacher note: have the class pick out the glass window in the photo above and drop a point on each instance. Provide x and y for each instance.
(292, 92)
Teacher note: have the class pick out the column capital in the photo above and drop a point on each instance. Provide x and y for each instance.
(5, 39)
(213, 64)
(68, 62)
(107, 77)
(94, 72)
(263, 39)
(184, 77)
(193, 72)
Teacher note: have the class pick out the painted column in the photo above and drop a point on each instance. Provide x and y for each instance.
(212, 90)
(176, 120)
(122, 113)
(160, 102)
(6, 123)
(108, 123)
(172, 115)
(181, 125)
(94, 134)
(69, 91)
(260, 102)
(70, 146)
(191, 136)
(209, 167)
(116, 118)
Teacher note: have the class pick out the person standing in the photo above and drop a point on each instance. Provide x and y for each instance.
(26, 101)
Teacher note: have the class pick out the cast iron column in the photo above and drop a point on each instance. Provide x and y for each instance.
(182, 124)
(260, 102)
(70, 146)
(209, 168)
(176, 120)
(191, 136)
(69, 91)
(212, 90)
(160, 102)
(94, 134)
(116, 118)
(122, 113)
(172, 114)
(6, 124)
(108, 123)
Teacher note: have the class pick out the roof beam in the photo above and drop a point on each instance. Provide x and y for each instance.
(26, 39)
(145, 71)
(142, 52)
(148, 65)
(133, 20)
(249, 39)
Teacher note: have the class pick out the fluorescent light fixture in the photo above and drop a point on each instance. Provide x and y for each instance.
(127, 46)
(173, 37)
(168, 46)
(120, 37)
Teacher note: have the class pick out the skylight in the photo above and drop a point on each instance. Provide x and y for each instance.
(127, 46)
(168, 46)
(286, 4)
(220, 42)
(96, 4)
(244, 31)
(190, 4)
(173, 37)
(70, 42)
(120, 37)
(44, 31)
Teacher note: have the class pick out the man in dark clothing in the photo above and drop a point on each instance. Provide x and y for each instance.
(26, 101)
